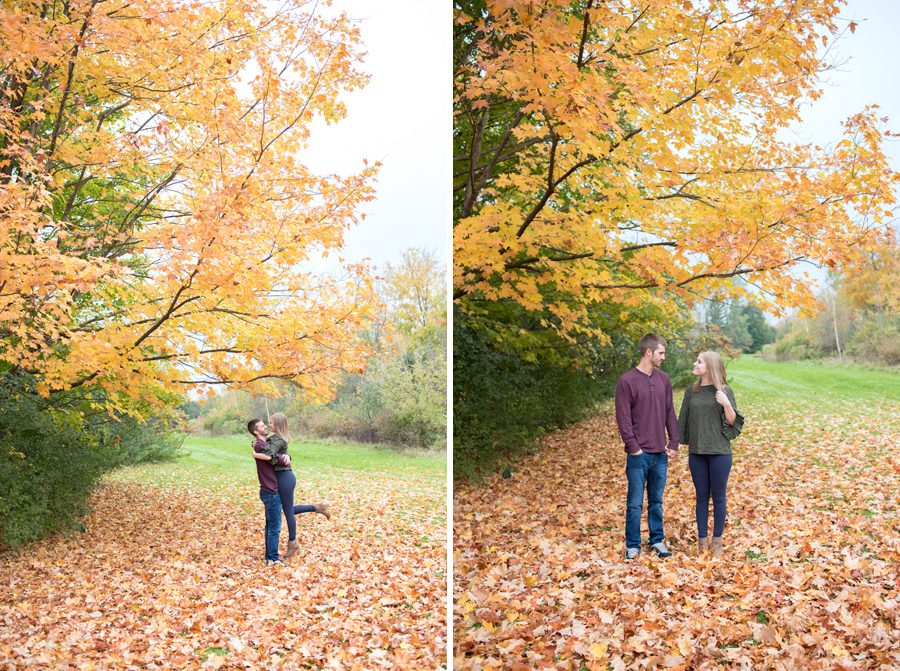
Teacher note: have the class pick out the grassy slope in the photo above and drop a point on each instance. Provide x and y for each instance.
(812, 381)
(212, 462)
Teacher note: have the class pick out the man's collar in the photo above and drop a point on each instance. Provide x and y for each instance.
(638, 367)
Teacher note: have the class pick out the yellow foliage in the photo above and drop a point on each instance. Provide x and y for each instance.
(157, 222)
(606, 149)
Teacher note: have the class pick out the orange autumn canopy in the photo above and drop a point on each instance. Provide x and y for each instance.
(157, 223)
(635, 153)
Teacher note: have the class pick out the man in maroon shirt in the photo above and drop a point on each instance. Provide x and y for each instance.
(268, 488)
(645, 413)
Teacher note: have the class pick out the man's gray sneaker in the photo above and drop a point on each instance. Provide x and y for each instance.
(631, 553)
(661, 549)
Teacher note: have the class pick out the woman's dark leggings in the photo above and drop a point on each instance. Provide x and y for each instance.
(710, 475)
(287, 481)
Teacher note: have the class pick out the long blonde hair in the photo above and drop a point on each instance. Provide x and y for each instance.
(278, 422)
(714, 368)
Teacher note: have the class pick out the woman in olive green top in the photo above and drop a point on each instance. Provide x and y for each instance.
(708, 421)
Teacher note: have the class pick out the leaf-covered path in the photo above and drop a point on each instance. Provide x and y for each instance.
(164, 579)
(809, 580)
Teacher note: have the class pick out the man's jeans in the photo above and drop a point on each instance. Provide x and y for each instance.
(272, 502)
(645, 470)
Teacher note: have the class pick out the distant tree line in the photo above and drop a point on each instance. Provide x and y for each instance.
(400, 397)
(860, 317)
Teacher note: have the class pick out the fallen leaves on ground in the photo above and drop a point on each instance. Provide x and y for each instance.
(809, 579)
(164, 579)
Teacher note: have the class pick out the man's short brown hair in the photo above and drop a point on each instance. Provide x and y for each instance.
(651, 341)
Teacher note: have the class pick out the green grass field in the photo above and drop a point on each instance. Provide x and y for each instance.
(813, 382)
(216, 462)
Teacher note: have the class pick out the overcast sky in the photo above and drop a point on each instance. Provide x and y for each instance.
(865, 74)
(403, 119)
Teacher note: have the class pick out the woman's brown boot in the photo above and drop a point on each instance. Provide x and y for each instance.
(702, 546)
(717, 547)
(322, 509)
(292, 548)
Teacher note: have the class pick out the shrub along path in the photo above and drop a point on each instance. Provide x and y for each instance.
(170, 575)
(809, 580)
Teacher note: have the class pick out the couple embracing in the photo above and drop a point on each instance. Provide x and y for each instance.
(276, 484)
(707, 423)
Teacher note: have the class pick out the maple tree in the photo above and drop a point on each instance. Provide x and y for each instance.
(158, 221)
(634, 154)
(869, 280)
(808, 579)
(414, 291)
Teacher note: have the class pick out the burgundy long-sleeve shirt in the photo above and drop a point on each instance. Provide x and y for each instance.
(265, 470)
(645, 411)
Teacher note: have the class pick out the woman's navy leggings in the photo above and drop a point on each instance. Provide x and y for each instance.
(287, 481)
(710, 475)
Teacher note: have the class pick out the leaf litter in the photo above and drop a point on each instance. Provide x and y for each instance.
(167, 579)
(809, 579)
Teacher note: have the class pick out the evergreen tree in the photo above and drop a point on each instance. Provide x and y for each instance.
(736, 327)
(761, 332)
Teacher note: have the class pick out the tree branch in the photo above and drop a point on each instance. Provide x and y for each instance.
(584, 33)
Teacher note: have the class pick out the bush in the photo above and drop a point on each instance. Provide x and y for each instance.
(223, 420)
(502, 403)
(132, 442)
(796, 346)
(768, 353)
(51, 459)
(48, 467)
(680, 357)
(326, 422)
(875, 343)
